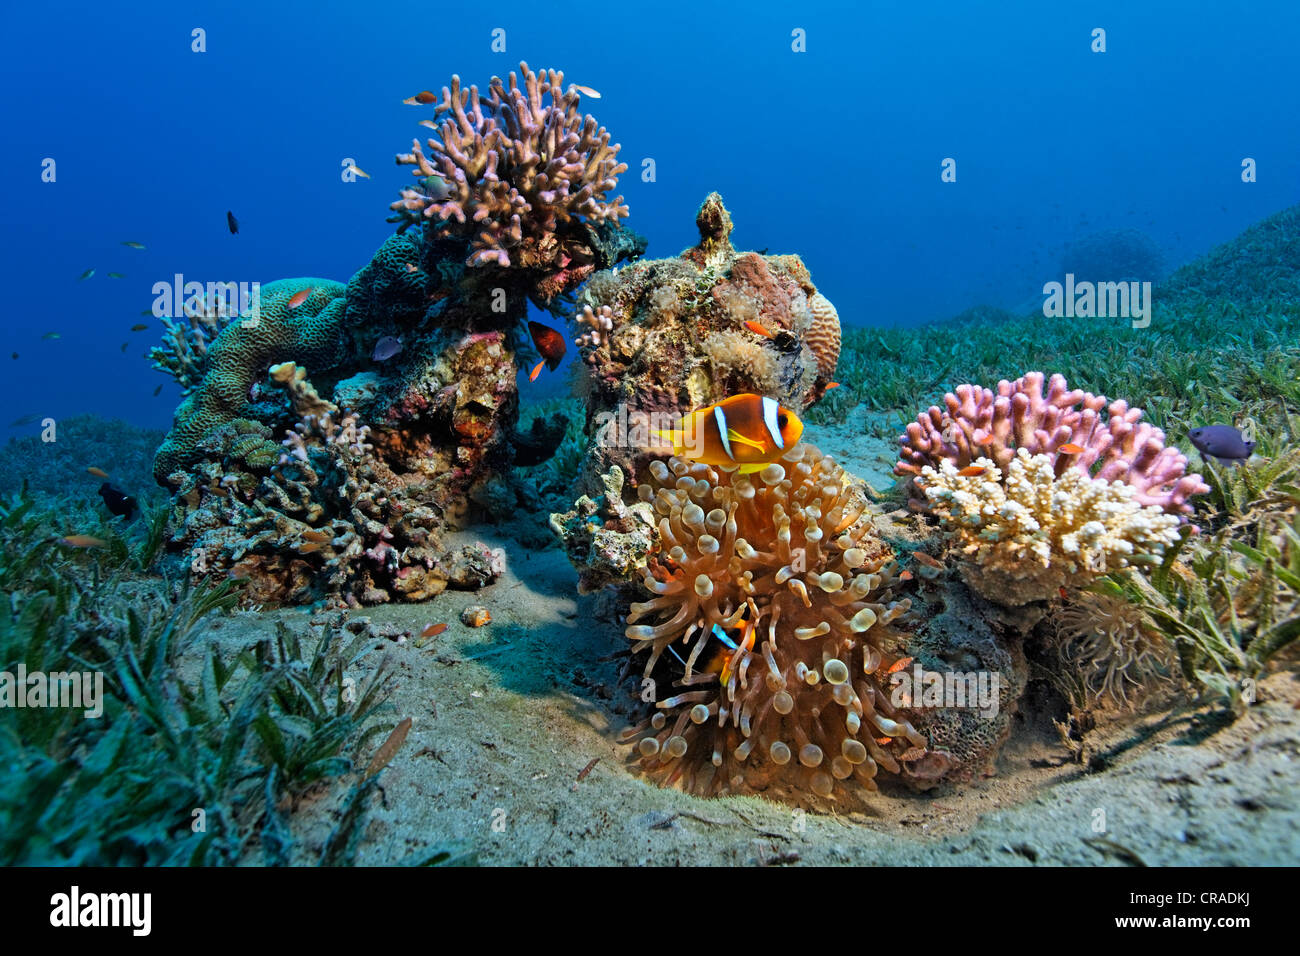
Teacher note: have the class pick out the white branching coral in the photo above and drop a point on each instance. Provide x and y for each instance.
(601, 323)
(1035, 531)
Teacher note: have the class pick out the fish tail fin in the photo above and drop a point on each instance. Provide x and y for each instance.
(674, 438)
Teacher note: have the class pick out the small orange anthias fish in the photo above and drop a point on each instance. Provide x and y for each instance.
(83, 541)
(899, 664)
(970, 471)
(423, 98)
(550, 346)
(300, 297)
(759, 328)
(433, 630)
(97, 472)
(748, 430)
(1070, 448)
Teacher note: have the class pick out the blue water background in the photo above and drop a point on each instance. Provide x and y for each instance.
(834, 153)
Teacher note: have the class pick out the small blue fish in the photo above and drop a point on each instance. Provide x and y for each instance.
(386, 348)
(1223, 443)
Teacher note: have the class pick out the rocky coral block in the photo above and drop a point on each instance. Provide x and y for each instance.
(1035, 532)
(607, 541)
(325, 518)
(510, 169)
(796, 710)
(661, 337)
(977, 422)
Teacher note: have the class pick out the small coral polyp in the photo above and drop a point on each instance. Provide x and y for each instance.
(802, 715)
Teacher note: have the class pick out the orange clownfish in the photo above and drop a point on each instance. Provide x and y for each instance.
(746, 430)
(721, 663)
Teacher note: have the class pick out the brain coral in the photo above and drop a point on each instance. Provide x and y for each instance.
(1036, 532)
(823, 335)
(309, 333)
(801, 714)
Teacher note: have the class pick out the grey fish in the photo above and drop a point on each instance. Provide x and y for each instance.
(386, 348)
(1221, 442)
(25, 420)
(436, 188)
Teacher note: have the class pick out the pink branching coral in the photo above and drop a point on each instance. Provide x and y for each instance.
(512, 170)
(1118, 447)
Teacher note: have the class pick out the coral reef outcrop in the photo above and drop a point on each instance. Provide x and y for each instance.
(421, 346)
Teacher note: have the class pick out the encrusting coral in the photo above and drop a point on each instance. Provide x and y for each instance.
(1034, 532)
(799, 711)
(977, 422)
(310, 332)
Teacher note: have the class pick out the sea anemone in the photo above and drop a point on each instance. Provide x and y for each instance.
(1113, 648)
(785, 558)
